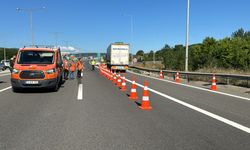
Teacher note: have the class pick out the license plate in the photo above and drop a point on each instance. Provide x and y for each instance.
(119, 67)
(31, 82)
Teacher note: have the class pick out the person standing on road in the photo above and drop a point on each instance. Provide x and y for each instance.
(12, 62)
(93, 64)
(65, 69)
(80, 68)
(72, 69)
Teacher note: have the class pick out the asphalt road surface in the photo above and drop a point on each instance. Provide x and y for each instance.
(103, 118)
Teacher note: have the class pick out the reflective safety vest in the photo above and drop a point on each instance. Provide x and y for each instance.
(79, 65)
(92, 62)
(72, 66)
(66, 66)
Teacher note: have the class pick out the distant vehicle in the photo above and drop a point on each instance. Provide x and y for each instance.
(5, 64)
(37, 68)
(118, 56)
(2, 67)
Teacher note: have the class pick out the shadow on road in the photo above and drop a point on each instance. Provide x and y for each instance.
(137, 103)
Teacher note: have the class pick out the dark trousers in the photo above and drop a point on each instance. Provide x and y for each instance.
(79, 73)
(93, 67)
(66, 74)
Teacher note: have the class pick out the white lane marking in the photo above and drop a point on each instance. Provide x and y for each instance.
(5, 89)
(195, 87)
(1, 75)
(79, 95)
(212, 115)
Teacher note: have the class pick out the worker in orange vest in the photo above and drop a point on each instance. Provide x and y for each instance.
(65, 69)
(72, 69)
(80, 68)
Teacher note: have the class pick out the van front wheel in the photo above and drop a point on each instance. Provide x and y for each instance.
(56, 87)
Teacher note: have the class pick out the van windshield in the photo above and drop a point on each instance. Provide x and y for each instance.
(36, 57)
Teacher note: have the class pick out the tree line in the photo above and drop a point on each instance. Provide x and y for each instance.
(9, 52)
(227, 53)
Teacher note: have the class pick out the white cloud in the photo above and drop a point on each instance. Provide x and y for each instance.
(69, 48)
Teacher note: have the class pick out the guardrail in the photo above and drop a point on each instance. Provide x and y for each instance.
(188, 75)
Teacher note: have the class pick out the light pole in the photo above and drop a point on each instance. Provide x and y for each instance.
(187, 31)
(56, 35)
(154, 56)
(131, 31)
(30, 11)
(4, 54)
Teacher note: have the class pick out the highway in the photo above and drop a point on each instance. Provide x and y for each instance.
(102, 117)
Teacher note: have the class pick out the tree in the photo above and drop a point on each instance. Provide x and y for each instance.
(238, 34)
(226, 53)
(140, 55)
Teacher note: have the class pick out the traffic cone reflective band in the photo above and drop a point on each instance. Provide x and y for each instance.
(100, 70)
(119, 81)
(114, 78)
(123, 88)
(145, 105)
(161, 75)
(133, 94)
(110, 75)
(107, 72)
(104, 72)
(177, 78)
(213, 87)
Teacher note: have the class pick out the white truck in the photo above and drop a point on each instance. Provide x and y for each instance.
(118, 56)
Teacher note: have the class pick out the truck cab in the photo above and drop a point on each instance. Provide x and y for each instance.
(37, 68)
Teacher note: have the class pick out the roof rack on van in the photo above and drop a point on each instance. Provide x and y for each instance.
(42, 46)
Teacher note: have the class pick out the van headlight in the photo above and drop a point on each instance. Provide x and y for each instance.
(15, 71)
(51, 71)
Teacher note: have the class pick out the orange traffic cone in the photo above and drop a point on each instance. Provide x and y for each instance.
(110, 75)
(123, 88)
(133, 94)
(177, 78)
(119, 81)
(145, 105)
(103, 72)
(114, 77)
(161, 75)
(213, 87)
(100, 69)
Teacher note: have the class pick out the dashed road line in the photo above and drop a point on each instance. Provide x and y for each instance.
(195, 87)
(79, 95)
(207, 113)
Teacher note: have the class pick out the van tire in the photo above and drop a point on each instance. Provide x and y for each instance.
(56, 87)
(61, 80)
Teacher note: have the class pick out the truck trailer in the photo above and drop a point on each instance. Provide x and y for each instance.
(118, 56)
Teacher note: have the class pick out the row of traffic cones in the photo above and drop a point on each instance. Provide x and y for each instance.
(120, 82)
(177, 76)
(177, 80)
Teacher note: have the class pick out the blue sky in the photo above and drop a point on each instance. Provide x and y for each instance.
(91, 25)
